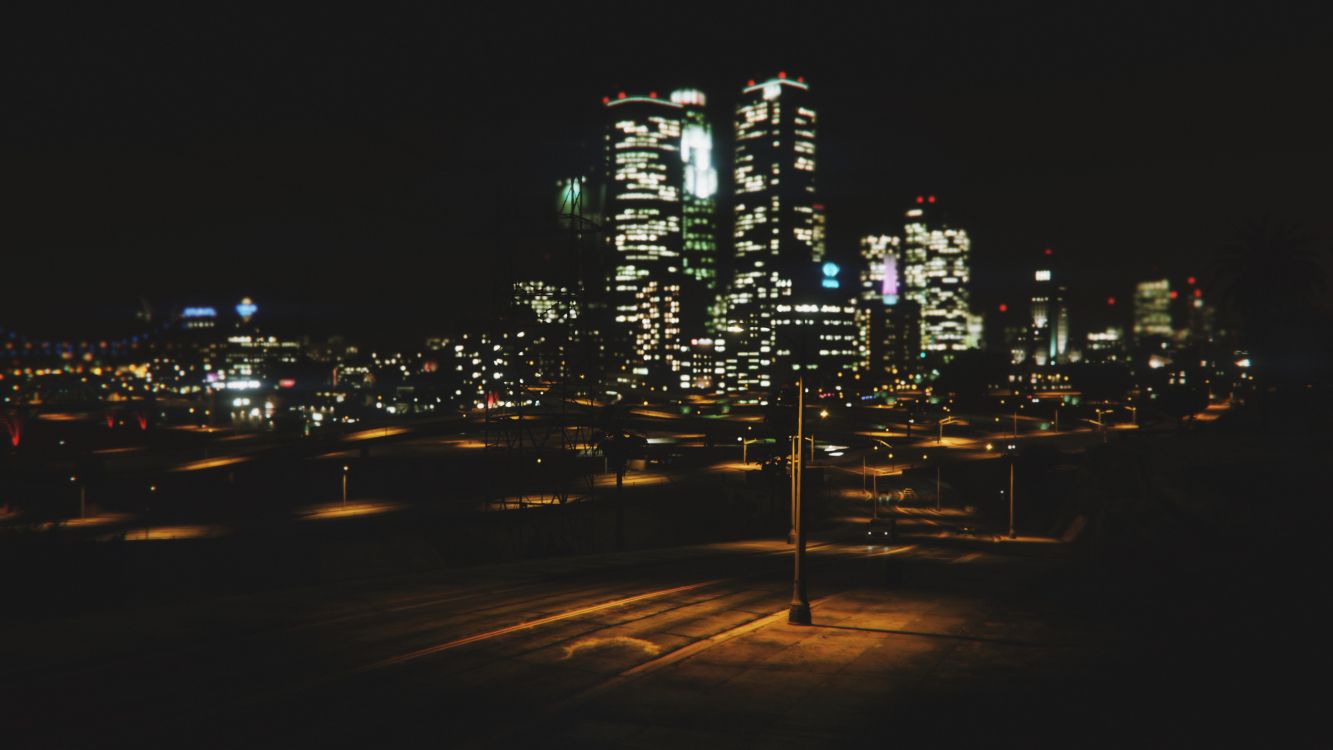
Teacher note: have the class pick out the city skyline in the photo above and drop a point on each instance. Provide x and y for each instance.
(933, 374)
(406, 189)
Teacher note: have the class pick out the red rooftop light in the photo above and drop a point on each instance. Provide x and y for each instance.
(800, 79)
(1110, 301)
(920, 199)
(1190, 281)
(1004, 307)
(1198, 293)
(606, 100)
(1174, 294)
(750, 82)
(621, 95)
(1047, 251)
(652, 94)
(782, 74)
(931, 199)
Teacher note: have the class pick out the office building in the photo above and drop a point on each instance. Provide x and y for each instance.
(1152, 310)
(644, 214)
(778, 229)
(936, 274)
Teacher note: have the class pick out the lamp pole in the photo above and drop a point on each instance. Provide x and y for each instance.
(345, 485)
(1012, 535)
(938, 504)
(795, 459)
(83, 497)
(799, 613)
(874, 482)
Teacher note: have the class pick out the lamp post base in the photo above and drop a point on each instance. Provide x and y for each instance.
(799, 614)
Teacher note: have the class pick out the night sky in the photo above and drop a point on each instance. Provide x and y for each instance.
(380, 171)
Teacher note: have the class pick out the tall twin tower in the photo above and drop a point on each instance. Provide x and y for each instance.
(677, 322)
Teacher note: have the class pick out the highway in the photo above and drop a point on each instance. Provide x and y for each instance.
(533, 650)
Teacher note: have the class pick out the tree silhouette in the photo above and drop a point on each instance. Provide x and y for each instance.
(1270, 284)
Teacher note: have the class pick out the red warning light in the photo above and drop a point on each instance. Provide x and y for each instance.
(1190, 281)
(782, 74)
(652, 94)
(1110, 301)
(1198, 293)
(800, 79)
(750, 82)
(1004, 307)
(931, 199)
(1174, 294)
(920, 199)
(606, 100)
(1047, 251)
(621, 95)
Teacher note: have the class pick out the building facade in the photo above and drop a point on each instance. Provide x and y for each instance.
(645, 231)
(1152, 310)
(778, 229)
(699, 220)
(936, 274)
(1048, 334)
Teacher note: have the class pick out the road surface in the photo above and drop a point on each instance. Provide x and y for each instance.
(639, 649)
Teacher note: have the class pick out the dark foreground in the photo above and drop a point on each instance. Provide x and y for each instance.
(1177, 617)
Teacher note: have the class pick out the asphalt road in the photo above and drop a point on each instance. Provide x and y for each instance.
(542, 651)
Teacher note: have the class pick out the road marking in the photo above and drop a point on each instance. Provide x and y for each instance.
(969, 557)
(678, 655)
(429, 650)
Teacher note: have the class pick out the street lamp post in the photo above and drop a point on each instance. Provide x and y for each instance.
(946, 420)
(795, 458)
(874, 482)
(1012, 535)
(938, 504)
(83, 497)
(799, 613)
(345, 467)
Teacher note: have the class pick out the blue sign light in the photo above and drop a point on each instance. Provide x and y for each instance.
(199, 312)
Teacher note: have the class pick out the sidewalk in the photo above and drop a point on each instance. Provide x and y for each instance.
(876, 666)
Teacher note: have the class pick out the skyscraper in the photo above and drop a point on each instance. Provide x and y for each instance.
(779, 223)
(936, 273)
(1152, 310)
(1049, 331)
(889, 324)
(700, 189)
(645, 174)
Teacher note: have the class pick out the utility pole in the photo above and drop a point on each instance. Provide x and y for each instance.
(799, 613)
